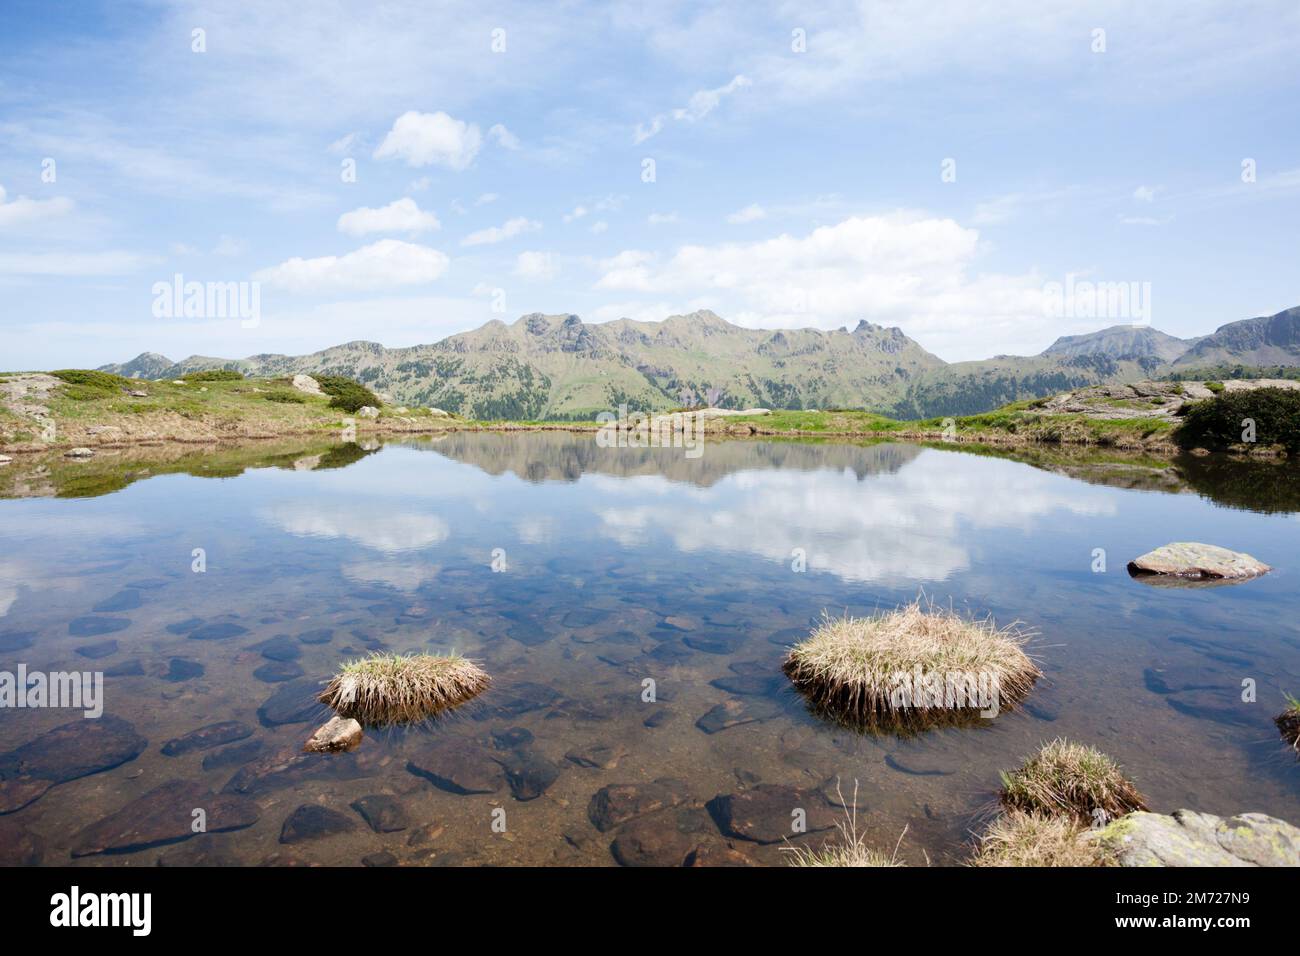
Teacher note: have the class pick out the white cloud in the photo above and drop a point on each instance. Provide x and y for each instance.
(401, 215)
(380, 265)
(503, 137)
(376, 527)
(486, 198)
(424, 139)
(22, 210)
(1145, 220)
(1144, 193)
(344, 145)
(507, 230)
(902, 269)
(112, 263)
(596, 228)
(751, 213)
(661, 218)
(577, 213)
(535, 265)
(700, 105)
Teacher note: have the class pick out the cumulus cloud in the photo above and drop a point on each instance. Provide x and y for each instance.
(751, 213)
(700, 105)
(900, 269)
(535, 265)
(401, 215)
(22, 211)
(507, 230)
(661, 218)
(1145, 193)
(425, 139)
(381, 265)
(503, 137)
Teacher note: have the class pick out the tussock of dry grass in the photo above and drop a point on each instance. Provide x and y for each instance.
(1034, 839)
(1288, 723)
(389, 689)
(1070, 780)
(849, 668)
(850, 849)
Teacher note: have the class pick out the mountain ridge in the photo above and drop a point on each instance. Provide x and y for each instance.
(559, 367)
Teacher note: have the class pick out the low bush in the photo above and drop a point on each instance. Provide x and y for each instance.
(345, 393)
(1221, 422)
(214, 375)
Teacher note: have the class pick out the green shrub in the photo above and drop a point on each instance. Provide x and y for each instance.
(214, 375)
(1218, 422)
(85, 384)
(346, 393)
(285, 397)
(1215, 387)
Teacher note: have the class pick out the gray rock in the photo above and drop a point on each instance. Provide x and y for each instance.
(277, 672)
(529, 774)
(179, 670)
(308, 385)
(96, 651)
(217, 632)
(294, 703)
(1185, 559)
(127, 600)
(733, 713)
(367, 411)
(1188, 838)
(79, 452)
(96, 626)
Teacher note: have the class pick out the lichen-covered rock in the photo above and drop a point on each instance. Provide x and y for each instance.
(1187, 559)
(367, 411)
(1188, 838)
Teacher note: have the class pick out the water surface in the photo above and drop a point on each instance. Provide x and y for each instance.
(615, 566)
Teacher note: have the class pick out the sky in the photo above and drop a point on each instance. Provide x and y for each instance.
(402, 171)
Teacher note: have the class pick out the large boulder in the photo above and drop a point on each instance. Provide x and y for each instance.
(1187, 559)
(1187, 838)
(305, 383)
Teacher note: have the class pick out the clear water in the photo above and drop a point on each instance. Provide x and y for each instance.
(601, 548)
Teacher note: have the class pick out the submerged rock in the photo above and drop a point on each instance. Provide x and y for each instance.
(69, 751)
(19, 846)
(277, 672)
(294, 703)
(97, 651)
(733, 713)
(97, 626)
(337, 735)
(1194, 561)
(126, 600)
(618, 803)
(217, 632)
(654, 840)
(212, 735)
(529, 774)
(179, 670)
(311, 822)
(165, 814)
(1188, 838)
(384, 813)
(458, 767)
(768, 813)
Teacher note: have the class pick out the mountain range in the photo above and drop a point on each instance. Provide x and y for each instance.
(559, 367)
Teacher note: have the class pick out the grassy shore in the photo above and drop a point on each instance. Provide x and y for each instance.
(40, 413)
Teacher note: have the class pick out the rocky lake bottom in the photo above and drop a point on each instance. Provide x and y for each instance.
(633, 608)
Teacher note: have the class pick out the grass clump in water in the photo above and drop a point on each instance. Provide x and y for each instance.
(1036, 839)
(913, 668)
(1288, 723)
(389, 689)
(1071, 780)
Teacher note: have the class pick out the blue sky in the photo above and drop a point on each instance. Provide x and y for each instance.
(500, 152)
